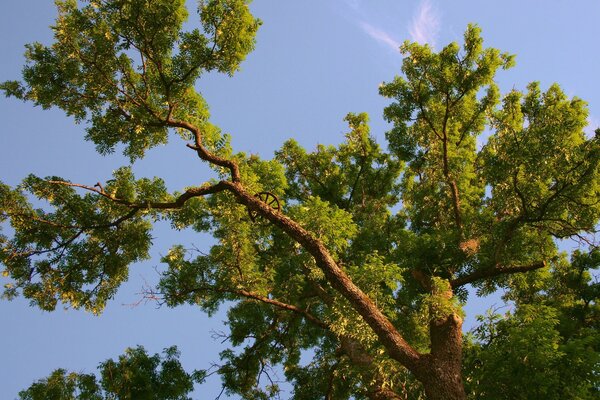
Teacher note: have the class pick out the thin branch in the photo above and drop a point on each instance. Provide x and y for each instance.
(423, 113)
(374, 380)
(362, 164)
(519, 193)
(80, 230)
(178, 203)
(308, 178)
(263, 299)
(449, 179)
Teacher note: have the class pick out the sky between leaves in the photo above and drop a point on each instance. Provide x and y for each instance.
(314, 62)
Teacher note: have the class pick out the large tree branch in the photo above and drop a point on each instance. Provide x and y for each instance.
(392, 340)
(389, 336)
(497, 270)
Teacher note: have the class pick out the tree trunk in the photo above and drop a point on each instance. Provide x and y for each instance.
(445, 383)
(442, 375)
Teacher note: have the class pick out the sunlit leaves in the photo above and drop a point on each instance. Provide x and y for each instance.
(527, 348)
(555, 323)
(126, 67)
(541, 167)
(353, 175)
(76, 249)
(231, 28)
(329, 223)
(441, 106)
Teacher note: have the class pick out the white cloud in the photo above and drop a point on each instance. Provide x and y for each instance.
(380, 35)
(425, 24)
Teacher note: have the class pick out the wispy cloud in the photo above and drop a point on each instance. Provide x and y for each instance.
(425, 25)
(380, 35)
(353, 4)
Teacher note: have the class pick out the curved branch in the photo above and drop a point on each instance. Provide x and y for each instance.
(202, 151)
(390, 337)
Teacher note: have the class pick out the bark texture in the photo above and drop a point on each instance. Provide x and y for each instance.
(444, 363)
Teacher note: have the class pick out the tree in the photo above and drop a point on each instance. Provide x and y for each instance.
(521, 355)
(358, 253)
(134, 376)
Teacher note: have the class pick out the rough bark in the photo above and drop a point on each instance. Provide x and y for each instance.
(393, 341)
(440, 371)
(444, 364)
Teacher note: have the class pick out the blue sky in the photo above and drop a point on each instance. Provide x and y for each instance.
(315, 61)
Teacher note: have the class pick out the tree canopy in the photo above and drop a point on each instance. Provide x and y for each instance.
(357, 254)
(135, 375)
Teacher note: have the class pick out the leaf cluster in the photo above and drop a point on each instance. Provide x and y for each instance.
(135, 375)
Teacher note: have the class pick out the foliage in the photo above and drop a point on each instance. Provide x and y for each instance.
(365, 264)
(135, 375)
(558, 327)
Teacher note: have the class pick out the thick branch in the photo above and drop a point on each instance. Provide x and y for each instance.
(493, 272)
(389, 336)
(393, 341)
